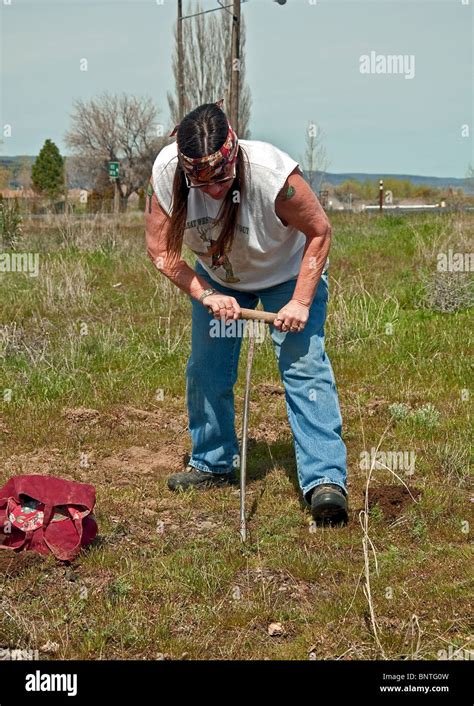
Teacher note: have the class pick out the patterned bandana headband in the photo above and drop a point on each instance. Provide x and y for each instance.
(212, 165)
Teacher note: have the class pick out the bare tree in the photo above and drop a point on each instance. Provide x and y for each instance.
(315, 157)
(116, 128)
(207, 68)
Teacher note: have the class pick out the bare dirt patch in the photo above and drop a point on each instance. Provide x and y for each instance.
(128, 417)
(44, 461)
(81, 415)
(123, 467)
(268, 431)
(269, 389)
(392, 499)
(376, 405)
(161, 418)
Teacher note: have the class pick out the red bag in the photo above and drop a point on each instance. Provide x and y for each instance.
(46, 514)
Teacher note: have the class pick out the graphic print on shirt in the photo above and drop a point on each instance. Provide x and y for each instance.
(218, 261)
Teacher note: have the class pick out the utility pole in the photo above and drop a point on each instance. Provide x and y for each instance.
(116, 198)
(235, 57)
(179, 31)
(114, 168)
(235, 67)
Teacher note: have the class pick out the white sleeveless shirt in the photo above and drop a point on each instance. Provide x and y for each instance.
(264, 252)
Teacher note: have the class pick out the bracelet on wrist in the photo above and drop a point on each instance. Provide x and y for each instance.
(206, 293)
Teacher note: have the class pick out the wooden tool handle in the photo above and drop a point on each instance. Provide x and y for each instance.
(267, 316)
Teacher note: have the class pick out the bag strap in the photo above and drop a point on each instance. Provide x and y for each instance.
(64, 555)
(48, 513)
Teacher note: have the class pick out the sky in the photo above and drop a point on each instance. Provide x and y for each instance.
(303, 63)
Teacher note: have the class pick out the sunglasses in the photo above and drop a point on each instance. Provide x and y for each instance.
(209, 183)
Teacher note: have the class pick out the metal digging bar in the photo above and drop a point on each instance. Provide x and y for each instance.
(268, 317)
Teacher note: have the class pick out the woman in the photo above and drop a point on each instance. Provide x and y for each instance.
(259, 233)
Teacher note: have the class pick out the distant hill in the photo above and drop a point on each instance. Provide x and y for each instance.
(436, 182)
(12, 162)
(467, 185)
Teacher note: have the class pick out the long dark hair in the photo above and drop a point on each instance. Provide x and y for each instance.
(201, 132)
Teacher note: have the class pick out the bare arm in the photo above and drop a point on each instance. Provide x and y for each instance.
(298, 206)
(176, 269)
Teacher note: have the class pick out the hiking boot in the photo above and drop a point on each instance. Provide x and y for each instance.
(193, 478)
(329, 504)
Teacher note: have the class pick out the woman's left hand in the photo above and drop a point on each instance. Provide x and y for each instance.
(292, 317)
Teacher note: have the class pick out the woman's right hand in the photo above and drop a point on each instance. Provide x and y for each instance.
(222, 306)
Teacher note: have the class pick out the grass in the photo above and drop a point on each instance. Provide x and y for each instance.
(92, 357)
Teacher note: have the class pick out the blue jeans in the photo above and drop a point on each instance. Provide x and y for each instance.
(305, 370)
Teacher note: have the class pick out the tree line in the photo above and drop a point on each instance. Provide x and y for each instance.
(129, 129)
